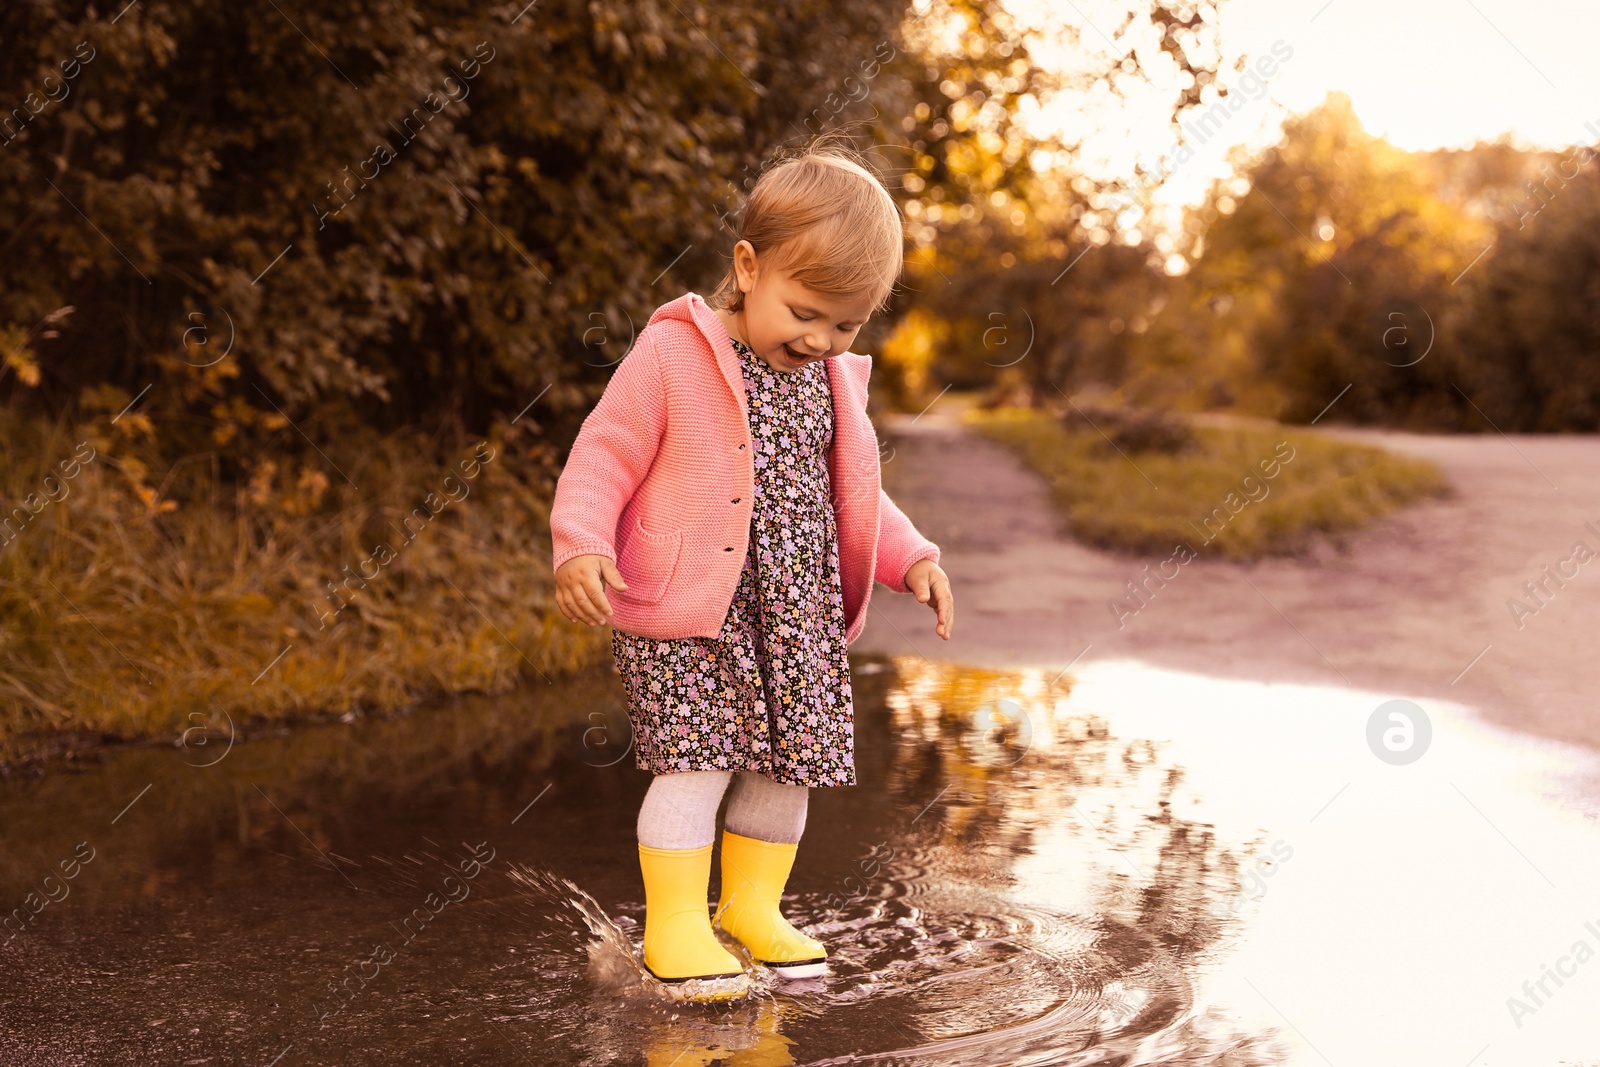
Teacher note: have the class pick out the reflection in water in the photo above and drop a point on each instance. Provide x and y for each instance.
(1028, 873)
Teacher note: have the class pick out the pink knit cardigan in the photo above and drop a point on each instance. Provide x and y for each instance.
(661, 479)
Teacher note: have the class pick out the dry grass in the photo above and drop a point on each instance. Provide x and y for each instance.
(130, 614)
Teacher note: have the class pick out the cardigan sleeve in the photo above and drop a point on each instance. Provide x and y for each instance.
(610, 457)
(899, 545)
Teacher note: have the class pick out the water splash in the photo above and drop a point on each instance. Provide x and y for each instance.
(614, 964)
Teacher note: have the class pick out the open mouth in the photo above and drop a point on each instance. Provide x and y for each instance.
(798, 359)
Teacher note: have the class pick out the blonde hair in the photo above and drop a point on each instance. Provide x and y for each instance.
(829, 220)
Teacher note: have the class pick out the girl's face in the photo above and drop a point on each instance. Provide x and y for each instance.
(788, 324)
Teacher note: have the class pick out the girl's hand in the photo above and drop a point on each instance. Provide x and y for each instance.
(932, 587)
(580, 588)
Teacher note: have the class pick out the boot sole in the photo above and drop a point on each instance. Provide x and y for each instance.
(797, 968)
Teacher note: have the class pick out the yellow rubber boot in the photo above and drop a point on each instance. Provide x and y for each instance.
(680, 948)
(754, 873)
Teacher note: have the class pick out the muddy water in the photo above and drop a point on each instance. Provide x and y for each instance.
(1119, 865)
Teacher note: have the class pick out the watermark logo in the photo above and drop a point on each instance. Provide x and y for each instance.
(1402, 333)
(1399, 732)
(197, 337)
(196, 741)
(997, 338)
(1001, 733)
(606, 739)
(597, 336)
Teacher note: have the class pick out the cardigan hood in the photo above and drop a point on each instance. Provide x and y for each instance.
(661, 479)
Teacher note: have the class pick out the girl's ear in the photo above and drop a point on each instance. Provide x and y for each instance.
(745, 265)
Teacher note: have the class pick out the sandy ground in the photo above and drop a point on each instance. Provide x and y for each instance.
(1415, 606)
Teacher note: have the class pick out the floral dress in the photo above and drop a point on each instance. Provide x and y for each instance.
(771, 693)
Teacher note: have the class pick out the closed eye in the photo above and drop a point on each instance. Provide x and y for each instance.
(845, 326)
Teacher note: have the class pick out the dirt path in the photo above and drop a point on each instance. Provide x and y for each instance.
(1417, 606)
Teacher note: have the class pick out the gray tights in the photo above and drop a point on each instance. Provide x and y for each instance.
(680, 809)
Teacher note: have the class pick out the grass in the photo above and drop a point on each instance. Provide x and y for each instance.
(132, 614)
(1216, 496)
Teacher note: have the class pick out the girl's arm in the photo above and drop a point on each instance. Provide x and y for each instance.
(610, 457)
(899, 545)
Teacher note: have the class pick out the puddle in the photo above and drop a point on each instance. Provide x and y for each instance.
(1127, 866)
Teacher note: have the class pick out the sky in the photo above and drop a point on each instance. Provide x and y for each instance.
(1422, 73)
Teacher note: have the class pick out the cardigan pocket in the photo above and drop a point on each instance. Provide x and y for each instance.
(647, 562)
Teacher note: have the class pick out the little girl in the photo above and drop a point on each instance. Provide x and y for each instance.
(726, 488)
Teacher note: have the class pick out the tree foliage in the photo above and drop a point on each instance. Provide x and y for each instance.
(1440, 291)
(385, 213)
(1531, 331)
(1010, 276)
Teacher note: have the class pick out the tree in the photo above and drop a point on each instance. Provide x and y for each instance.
(1015, 249)
(1332, 258)
(1532, 330)
(396, 214)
